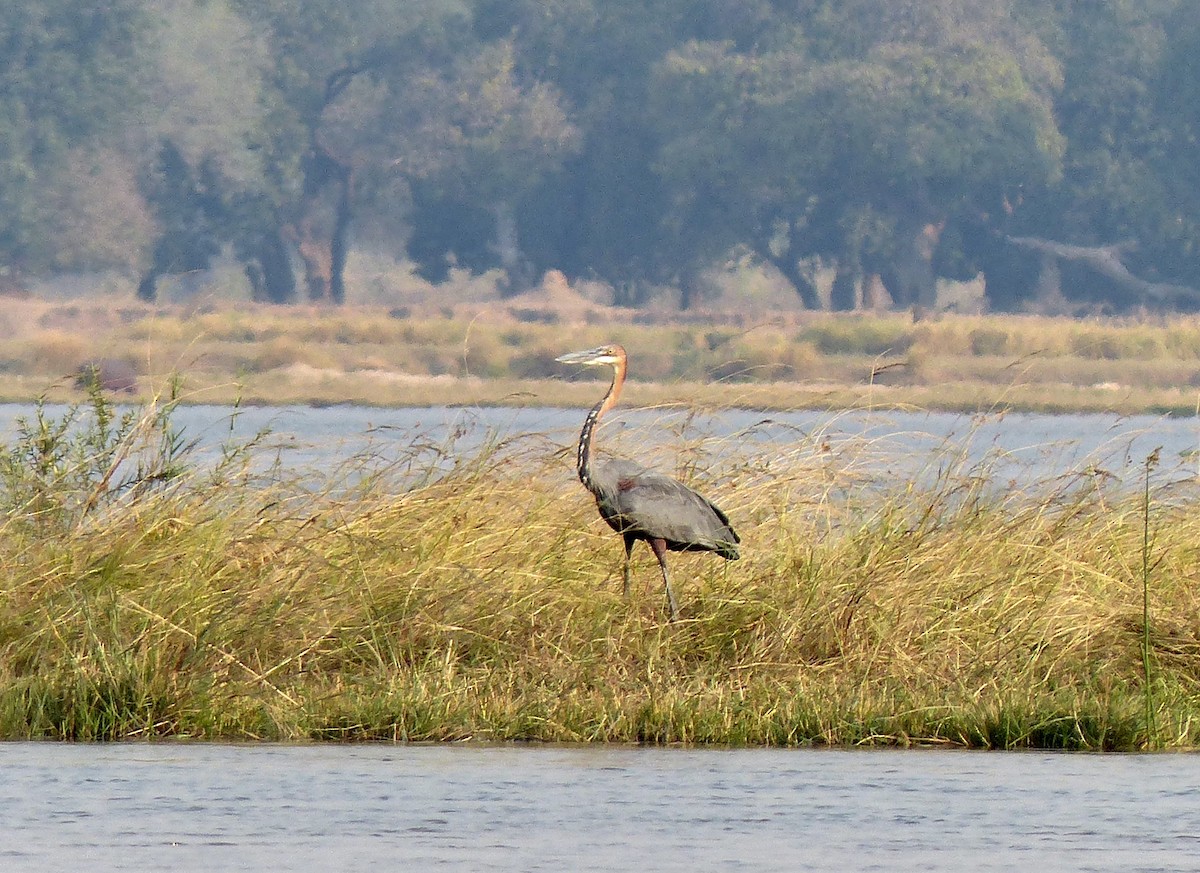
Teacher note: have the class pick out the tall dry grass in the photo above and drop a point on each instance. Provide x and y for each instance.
(447, 595)
(495, 354)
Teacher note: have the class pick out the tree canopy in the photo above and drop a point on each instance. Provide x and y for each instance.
(1049, 146)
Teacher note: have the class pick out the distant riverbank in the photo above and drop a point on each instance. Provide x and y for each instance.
(502, 353)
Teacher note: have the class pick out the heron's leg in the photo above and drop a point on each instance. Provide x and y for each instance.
(660, 551)
(629, 541)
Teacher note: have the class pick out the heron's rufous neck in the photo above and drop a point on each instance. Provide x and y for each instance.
(584, 459)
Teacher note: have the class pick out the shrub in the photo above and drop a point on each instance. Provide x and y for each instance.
(57, 471)
(860, 336)
(988, 341)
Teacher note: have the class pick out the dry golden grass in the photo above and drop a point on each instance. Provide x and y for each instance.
(456, 595)
(485, 354)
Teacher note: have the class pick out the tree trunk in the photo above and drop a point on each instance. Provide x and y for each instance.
(517, 274)
(1048, 293)
(777, 252)
(321, 226)
(340, 244)
(689, 288)
(317, 256)
(147, 289)
(273, 280)
(910, 276)
(843, 297)
(790, 268)
(1106, 261)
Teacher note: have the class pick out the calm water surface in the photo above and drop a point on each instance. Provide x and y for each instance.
(346, 808)
(896, 444)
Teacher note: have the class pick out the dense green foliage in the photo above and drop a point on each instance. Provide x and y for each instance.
(638, 143)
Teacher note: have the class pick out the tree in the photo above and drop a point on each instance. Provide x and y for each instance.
(317, 51)
(1050, 144)
(1123, 111)
(70, 71)
(1177, 101)
(189, 211)
(862, 159)
(603, 214)
(371, 93)
(488, 143)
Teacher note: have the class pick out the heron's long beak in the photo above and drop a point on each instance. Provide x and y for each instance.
(591, 356)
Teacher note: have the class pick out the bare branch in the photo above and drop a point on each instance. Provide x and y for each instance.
(1106, 260)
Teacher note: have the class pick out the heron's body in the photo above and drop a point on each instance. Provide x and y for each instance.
(647, 505)
(641, 504)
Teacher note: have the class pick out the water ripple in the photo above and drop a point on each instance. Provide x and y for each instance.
(285, 808)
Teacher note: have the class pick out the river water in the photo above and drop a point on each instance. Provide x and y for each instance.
(184, 807)
(347, 808)
(896, 445)
(1048, 444)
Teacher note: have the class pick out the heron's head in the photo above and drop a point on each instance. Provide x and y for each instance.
(612, 355)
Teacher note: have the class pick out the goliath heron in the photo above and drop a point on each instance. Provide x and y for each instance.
(640, 504)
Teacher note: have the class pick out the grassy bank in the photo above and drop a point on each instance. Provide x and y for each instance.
(452, 596)
(502, 352)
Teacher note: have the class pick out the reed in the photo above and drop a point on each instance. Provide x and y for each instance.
(1147, 643)
(447, 594)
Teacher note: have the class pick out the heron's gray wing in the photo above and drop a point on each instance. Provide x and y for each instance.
(651, 504)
